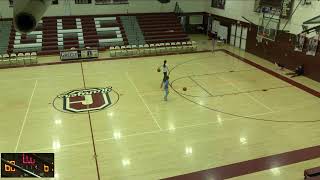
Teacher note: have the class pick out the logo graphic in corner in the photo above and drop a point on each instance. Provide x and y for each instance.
(83, 100)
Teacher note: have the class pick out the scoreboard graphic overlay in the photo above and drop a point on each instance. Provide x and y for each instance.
(36, 165)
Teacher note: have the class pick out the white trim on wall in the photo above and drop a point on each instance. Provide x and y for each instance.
(134, 6)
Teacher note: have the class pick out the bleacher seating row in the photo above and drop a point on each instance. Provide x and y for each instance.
(19, 59)
(162, 28)
(54, 34)
(151, 49)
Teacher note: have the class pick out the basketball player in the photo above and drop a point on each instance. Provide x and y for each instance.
(166, 87)
(213, 43)
(165, 71)
(297, 72)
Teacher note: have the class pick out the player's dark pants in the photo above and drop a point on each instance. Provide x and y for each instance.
(165, 74)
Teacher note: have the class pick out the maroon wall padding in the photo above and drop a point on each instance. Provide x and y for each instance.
(281, 50)
(312, 173)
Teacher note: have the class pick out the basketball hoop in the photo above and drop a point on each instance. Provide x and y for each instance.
(317, 31)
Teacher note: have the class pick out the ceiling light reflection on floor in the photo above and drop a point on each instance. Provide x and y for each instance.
(117, 135)
(126, 162)
(188, 150)
(56, 145)
(243, 140)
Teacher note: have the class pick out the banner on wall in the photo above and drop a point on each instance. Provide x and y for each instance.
(66, 55)
(220, 4)
(89, 53)
(79, 54)
(313, 46)
(215, 26)
(300, 42)
(196, 19)
(223, 33)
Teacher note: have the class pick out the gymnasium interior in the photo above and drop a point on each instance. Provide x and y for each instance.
(160, 89)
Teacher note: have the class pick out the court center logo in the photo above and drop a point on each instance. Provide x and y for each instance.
(83, 100)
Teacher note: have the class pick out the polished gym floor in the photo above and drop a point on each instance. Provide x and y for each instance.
(231, 112)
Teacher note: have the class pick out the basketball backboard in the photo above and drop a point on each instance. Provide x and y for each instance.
(269, 23)
(285, 6)
(315, 20)
(311, 26)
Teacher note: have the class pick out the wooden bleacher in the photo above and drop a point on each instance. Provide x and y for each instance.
(57, 33)
(160, 28)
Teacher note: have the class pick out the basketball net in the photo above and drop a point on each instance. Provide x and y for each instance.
(259, 38)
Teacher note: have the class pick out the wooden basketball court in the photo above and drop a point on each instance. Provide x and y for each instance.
(231, 112)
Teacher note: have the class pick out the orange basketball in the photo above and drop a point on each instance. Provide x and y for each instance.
(184, 89)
